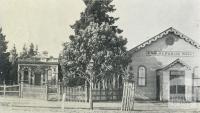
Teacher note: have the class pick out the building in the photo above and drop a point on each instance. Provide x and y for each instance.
(38, 70)
(166, 67)
(35, 74)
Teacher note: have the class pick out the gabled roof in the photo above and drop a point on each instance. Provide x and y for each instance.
(161, 35)
(174, 63)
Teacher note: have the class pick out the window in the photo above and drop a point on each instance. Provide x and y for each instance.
(172, 89)
(196, 76)
(177, 89)
(177, 82)
(141, 76)
(49, 75)
(196, 73)
(181, 89)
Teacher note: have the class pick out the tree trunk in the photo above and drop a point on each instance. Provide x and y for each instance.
(90, 98)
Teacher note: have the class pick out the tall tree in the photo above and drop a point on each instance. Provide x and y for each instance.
(13, 67)
(4, 58)
(96, 50)
(13, 55)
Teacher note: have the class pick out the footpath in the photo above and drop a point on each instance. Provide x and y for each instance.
(13, 103)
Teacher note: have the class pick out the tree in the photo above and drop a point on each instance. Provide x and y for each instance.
(13, 67)
(4, 58)
(24, 53)
(36, 50)
(96, 50)
(31, 51)
(13, 55)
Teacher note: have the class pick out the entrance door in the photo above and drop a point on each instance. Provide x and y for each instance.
(37, 79)
(26, 77)
(177, 86)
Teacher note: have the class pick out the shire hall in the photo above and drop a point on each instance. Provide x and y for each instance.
(166, 67)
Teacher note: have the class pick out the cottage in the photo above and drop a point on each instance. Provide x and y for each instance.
(36, 73)
(38, 70)
(166, 67)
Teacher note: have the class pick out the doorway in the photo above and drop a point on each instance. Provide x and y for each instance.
(37, 79)
(177, 85)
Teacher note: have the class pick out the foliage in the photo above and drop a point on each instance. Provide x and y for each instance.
(4, 58)
(24, 53)
(13, 67)
(96, 50)
(29, 52)
(13, 55)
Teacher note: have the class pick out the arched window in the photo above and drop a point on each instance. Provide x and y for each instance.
(142, 76)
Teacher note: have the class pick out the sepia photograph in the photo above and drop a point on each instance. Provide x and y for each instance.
(99, 56)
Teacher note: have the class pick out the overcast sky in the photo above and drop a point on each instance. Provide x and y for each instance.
(47, 22)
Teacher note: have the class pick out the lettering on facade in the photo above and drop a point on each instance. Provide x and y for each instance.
(170, 53)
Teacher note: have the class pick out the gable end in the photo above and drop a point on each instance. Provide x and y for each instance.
(161, 35)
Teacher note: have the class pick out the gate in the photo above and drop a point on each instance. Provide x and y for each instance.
(128, 96)
(34, 91)
(53, 92)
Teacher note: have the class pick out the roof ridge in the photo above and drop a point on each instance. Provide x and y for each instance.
(175, 62)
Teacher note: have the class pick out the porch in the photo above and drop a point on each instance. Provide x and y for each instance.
(176, 83)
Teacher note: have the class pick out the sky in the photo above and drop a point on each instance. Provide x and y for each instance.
(46, 23)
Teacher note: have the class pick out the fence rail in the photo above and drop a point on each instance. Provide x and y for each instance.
(81, 94)
(55, 92)
(76, 94)
(7, 89)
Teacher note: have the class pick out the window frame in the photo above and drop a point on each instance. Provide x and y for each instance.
(177, 87)
(138, 76)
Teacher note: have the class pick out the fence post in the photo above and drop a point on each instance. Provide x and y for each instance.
(63, 101)
(46, 91)
(86, 92)
(22, 85)
(19, 89)
(4, 89)
(58, 91)
(128, 95)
